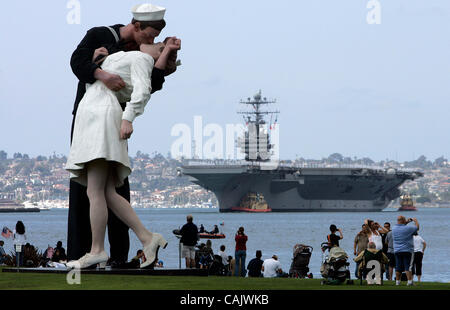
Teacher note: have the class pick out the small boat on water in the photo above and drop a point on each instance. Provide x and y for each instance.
(177, 233)
(211, 236)
(10, 206)
(40, 205)
(406, 203)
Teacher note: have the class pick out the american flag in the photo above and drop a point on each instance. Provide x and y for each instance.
(6, 232)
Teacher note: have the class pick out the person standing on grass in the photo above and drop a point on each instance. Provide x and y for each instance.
(19, 239)
(189, 238)
(333, 239)
(419, 250)
(375, 233)
(241, 252)
(386, 226)
(360, 244)
(389, 241)
(404, 247)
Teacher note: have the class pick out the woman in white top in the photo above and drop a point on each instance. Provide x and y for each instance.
(375, 232)
(419, 249)
(98, 155)
(19, 240)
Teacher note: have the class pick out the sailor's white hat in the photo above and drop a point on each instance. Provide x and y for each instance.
(148, 12)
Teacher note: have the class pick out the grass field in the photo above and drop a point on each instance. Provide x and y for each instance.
(35, 281)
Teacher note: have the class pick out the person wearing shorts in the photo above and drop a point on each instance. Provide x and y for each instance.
(188, 252)
(404, 247)
(403, 262)
(189, 238)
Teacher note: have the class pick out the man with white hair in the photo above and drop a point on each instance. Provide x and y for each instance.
(272, 267)
(369, 254)
(402, 235)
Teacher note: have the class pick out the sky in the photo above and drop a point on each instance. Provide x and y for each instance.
(341, 84)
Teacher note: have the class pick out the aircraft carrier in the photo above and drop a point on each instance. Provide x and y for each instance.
(288, 187)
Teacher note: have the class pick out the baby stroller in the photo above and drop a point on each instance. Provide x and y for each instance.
(335, 268)
(203, 257)
(217, 268)
(299, 266)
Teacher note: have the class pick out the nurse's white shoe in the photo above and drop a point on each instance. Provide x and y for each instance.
(89, 260)
(151, 250)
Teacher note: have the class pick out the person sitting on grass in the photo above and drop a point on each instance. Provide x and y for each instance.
(231, 265)
(272, 268)
(206, 255)
(136, 261)
(57, 257)
(369, 254)
(224, 256)
(255, 265)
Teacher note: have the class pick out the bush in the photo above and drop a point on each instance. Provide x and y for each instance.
(31, 258)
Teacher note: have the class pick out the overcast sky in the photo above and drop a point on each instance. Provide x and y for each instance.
(341, 84)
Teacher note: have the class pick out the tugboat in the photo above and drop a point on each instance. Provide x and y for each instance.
(406, 203)
(252, 202)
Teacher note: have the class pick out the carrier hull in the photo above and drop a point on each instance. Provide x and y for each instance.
(294, 189)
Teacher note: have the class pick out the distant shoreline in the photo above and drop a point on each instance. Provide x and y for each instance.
(419, 206)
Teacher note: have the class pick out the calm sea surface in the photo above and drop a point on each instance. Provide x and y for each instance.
(272, 233)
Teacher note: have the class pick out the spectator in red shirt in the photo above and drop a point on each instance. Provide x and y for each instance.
(241, 252)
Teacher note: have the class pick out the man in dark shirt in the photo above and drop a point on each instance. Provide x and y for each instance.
(333, 239)
(255, 265)
(60, 248)
(103, 41)
(189, 238)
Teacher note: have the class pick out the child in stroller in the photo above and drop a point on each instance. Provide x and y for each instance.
(335, 268)
(299, 266)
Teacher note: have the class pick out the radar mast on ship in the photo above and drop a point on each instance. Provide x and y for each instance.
(256, 141)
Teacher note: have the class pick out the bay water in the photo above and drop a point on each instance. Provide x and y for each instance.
(272, 233)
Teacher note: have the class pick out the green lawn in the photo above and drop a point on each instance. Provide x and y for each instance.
(30, 281)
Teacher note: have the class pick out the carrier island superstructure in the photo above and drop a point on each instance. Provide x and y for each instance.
(289, 187)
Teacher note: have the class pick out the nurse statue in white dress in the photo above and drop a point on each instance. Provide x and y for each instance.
(98, 155)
